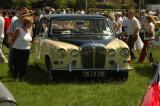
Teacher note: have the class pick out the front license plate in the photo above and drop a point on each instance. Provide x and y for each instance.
(94, 73)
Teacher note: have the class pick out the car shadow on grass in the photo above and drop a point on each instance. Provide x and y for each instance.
(145, 70)
(37, 76)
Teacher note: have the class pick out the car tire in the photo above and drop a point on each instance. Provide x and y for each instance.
(122, 75)
(36, 66)
(49, 68)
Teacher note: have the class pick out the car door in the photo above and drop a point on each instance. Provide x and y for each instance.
(43, 34)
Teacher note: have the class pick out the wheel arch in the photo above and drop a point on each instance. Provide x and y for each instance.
(47, 60)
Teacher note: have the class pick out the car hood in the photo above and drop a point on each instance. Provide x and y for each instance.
(82, 42)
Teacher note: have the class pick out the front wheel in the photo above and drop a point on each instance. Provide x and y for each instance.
(49, 68)
(122, 75)
(118, 76)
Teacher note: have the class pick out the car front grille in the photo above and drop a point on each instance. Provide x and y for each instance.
(93, 57)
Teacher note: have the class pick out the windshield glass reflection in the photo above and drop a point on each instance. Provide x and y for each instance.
(79, 27)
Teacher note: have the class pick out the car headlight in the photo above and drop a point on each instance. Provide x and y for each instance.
(74, 53)
(61, 53)
(111, 52)
(124, 52)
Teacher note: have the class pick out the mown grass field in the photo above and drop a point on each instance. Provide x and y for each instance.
(37, 91)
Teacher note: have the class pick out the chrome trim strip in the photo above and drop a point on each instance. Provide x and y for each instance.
(7, 99)
(106, 69)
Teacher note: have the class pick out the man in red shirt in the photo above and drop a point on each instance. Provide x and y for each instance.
(7, 21)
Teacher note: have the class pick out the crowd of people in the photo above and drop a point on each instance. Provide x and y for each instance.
(18, 27)
(137, 32)
(17, 35)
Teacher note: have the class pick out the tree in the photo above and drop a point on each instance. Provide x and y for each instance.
(80, 4)
(91, 3)
(60, 3)
(6, 4)
(152, 1)
(21, 3)
(24, 3)
(85, 3)
(71, 3)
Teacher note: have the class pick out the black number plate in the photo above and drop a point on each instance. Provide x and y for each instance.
(94, 73)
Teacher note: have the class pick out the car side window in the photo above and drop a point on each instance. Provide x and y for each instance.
(44, 28)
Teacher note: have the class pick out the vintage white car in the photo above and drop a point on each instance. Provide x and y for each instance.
(80, 43)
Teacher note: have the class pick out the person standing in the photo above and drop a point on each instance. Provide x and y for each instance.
(119, 21)
(142, 22)
(13, 15)
(112, 21)
(143, 18)
(2, 24)
(20, 40)
(149, 29)
(24, 12)
(36, 26)
(133, 28)
(7, 21)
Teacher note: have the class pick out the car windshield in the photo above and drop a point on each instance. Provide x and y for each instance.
(81, 27)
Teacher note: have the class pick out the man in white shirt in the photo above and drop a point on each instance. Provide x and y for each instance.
(143, 18)
(133, 28)
(142, 22)
(14, 17)
(119, 21)
(2, 23)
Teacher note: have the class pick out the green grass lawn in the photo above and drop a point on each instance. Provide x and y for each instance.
(37, 91)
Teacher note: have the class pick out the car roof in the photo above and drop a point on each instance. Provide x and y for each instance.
(74, 16)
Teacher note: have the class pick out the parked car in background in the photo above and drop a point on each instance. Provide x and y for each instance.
(80, 43)
(6, 98)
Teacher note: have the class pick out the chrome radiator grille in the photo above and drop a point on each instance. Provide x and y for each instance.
(93, 57)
